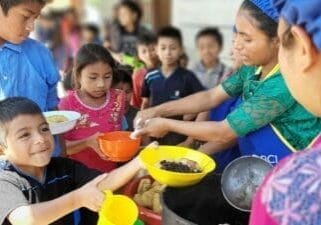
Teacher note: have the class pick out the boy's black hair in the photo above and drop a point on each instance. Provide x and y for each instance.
(213, 32)
(92, 28)
(170, 32)
(263, 21)
(133, 6)
(89, 54)
(11, 108)
(146, 39)
(6, 5)
(123, 74)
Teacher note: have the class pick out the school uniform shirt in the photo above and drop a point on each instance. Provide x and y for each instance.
(62, 176)
(28, 69)
(210, 77)
(269, 101)
(161, 89)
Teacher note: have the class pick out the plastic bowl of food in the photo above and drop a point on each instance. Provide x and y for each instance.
(200, 164)
(145, 214)
(118, 146)
(61, 121)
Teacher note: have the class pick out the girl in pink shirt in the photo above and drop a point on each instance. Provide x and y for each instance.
(101, 108)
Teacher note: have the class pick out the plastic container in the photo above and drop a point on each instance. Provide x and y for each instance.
(147, 215)
(118, 146)
(151, 157)
(62, 127)
(118, 210)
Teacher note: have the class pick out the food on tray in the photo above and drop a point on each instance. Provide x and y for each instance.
(182, 165)
(56, 119)
(148, 194)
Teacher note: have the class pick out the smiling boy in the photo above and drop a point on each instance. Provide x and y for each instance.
(36, 188)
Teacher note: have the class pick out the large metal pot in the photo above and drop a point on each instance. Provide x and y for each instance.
(240, 180)
(169, 217)
(202, 204)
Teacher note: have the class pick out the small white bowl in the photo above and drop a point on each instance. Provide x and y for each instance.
(59, 128)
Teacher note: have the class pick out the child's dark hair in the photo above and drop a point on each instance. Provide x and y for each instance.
(263, 21)
(12, 107)
(92, 28)
(67, 81)
(89, 54)
(170, 32)
(146, 39)
(134, 7)
(213, 32)
(6, 5)
(123, 74)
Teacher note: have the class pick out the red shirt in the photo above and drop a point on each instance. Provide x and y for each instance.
(138, 79)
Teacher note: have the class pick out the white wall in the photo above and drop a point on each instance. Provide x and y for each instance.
(192, 15)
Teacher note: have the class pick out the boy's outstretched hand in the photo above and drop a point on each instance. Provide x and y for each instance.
(90, 196)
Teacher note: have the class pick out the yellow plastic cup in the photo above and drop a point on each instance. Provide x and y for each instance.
(117, 210)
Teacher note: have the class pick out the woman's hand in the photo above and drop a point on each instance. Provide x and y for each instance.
(144, 115)
(155, 127)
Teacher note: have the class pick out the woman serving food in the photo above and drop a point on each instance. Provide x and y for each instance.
(266, 121)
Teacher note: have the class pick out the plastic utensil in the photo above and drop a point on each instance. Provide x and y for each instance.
(117, 210)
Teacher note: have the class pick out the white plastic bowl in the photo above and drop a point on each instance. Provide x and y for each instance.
(59, 128)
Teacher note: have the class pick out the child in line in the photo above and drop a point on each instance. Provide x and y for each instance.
(183, 60)
(38, 189)
(102, 108)
(209, 70)
(146, 52)
(124, 82)
(123, 33)
(90, 34)
(170, 81)
(27, 67)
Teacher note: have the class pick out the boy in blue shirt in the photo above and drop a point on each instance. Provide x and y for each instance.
(26, 66)
(209, 69)
(38, 189)
(170, 81)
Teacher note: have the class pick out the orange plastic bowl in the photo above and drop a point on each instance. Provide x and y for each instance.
(118, 146)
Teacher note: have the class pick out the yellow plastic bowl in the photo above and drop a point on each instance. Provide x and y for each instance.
(118, 210)
(151, 157)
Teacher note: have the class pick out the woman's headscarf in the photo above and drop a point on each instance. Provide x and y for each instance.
(304, 13)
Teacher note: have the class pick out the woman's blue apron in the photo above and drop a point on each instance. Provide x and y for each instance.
(264, 142)
(223, 158)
